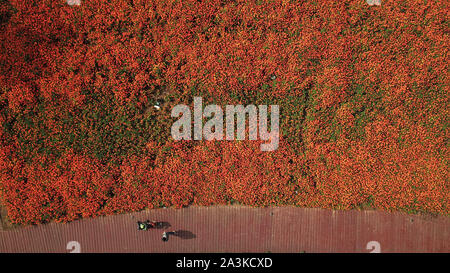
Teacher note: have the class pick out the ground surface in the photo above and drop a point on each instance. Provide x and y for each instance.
(240, 229)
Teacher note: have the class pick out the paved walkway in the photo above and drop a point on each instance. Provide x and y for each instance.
(240, 229)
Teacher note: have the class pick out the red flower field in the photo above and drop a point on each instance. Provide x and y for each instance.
(362, 90)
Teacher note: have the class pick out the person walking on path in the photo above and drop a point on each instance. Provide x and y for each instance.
(165, 235)
(146, 225)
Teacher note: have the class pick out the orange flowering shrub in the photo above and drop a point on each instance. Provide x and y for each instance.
(363, 94)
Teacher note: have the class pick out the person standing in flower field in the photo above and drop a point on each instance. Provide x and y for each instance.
(374, 2)
(73, 2)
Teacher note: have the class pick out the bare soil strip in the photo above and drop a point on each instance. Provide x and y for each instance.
(240, 229)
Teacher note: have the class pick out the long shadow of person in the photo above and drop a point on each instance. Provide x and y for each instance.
(162, 225)
(184, 234)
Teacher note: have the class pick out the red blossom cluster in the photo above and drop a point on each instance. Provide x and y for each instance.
(363, 94)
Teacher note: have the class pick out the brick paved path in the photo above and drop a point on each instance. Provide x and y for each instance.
(240, 229)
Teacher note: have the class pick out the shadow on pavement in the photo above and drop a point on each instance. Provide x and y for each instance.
(184, 234)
